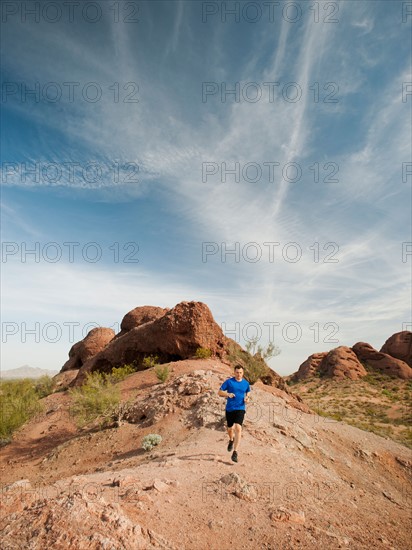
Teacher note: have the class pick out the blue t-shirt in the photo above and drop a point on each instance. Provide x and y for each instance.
(240, 389)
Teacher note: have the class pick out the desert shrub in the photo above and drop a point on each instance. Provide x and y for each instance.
(19, 403)
(371, 379)
(265, 353)
(328, 414)
(255, 369)
(162, 372)
(151, 440)
(203, 353)
(254, 360)
(150, 361)
(44, 386)
(120, 373)
(98, 396)
(389, 394)
(370, 411)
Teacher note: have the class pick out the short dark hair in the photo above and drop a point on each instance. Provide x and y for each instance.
(238, 367)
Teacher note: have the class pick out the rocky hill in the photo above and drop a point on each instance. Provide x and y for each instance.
(367, 388)
(169, 334)
(377, 402)
(303, 481)
(394, 359)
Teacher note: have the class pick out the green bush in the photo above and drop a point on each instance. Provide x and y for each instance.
(151, 440)
(98, 396)
(150, 361)
(19, 403)
(162, 372)
(120, 373)
(203, 353)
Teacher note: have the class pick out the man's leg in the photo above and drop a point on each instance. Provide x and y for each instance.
(238, 435)
(230, 433)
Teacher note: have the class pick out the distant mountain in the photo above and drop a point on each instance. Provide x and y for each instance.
(25, 372)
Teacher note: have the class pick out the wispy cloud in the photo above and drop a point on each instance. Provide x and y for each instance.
(169, 133)
(177, 26)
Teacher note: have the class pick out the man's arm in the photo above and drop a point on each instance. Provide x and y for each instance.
(247, 394)
(223, 393)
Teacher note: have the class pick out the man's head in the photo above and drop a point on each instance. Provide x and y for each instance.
(238, 372)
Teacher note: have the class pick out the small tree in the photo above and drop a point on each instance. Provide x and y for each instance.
(162, 372)
(254, 349)
(255, 361)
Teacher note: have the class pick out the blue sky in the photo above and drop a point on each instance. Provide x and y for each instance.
(130, 156)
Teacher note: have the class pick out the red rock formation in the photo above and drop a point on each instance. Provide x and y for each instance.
(342, 362)
(382, 361)
(176, 335)
(95, 341)
(399, 345)
(310, 367)
(139, 316)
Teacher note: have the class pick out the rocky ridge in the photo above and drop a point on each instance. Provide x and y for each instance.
(344, 362)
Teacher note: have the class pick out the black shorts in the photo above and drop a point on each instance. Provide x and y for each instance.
(234, 417)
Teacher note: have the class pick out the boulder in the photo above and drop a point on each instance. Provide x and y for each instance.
(272, 378)
(174, 336)
(399, 346)
(139, 316)
(381, 361)
(342, 362)
(95, 341)
(310, 367)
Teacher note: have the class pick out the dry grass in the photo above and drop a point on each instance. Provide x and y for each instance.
(377, 403)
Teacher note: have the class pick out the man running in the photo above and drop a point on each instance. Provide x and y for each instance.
(235, 389)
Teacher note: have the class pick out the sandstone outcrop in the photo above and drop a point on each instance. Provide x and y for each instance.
(394, 359)
(139, 316)
(310, 367)
(174, 336)
(95, 341)
(342, 362)
(399, 345)
(381, 361)
(168, 334)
